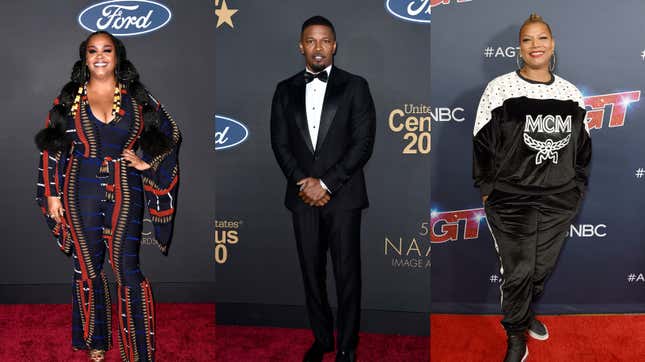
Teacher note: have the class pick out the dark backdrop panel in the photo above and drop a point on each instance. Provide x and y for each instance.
(260, 281)
(600, 48)
(176, 64)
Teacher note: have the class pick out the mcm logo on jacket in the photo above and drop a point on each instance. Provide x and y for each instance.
(543, 133)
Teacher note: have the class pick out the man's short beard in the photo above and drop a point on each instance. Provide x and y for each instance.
(317, 68)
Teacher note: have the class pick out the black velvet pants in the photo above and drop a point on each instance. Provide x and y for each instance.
(529, 232)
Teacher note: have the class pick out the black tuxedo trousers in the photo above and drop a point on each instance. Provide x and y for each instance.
(318, 230)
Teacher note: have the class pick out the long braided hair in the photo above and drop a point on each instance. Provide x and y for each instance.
(152, 140)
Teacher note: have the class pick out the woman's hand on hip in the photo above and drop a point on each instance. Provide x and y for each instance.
(134, 160)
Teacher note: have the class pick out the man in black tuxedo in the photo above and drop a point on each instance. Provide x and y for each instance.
(322, 133)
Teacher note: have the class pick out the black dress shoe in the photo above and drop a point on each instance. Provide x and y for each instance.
(316, 352)
(346, 356)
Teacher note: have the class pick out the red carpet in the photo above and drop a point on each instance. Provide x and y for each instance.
(588, 338)
(281, 344)
(37, 332)
(42, 333)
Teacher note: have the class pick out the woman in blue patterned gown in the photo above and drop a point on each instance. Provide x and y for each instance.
(108, 150)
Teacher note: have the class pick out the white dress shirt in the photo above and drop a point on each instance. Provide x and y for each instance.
(314, 98)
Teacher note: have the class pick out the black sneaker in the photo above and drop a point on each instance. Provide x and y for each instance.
(538, 330)
(517, 351)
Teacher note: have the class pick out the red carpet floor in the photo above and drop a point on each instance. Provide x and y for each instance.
(281, 344)
(42, 333)
(588, 338)
(185, 332)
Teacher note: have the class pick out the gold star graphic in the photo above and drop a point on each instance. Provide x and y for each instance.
(224, 14)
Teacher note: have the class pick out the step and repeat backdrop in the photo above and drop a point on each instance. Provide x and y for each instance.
(178, 67)
(257, 271)
(600, 47)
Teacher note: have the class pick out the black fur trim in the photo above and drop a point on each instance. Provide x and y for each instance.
(57, 112)
(150, 117)
(127, 72)
(51, 139)
(68, 93)
(139, 93)
(154, 142)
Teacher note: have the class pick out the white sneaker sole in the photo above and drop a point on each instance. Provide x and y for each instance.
(538, 336)
(526, 354)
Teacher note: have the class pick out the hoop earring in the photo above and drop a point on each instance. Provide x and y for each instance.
(517, 60)
(552, 65)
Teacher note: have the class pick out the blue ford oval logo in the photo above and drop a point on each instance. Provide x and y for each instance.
(125, 17)
(229, 132)
(417, 11)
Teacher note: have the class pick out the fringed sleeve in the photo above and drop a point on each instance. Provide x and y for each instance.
(51, 177)
(160, 182)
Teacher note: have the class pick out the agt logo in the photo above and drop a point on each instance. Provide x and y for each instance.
(465, 224)
(125, 17)
(413, 123)
(610, 107)
(229, 132)
(451, 225)
(226, 234)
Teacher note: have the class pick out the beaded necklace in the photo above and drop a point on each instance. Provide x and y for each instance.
(117, 111)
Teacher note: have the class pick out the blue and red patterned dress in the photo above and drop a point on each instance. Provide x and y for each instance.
(104, 202)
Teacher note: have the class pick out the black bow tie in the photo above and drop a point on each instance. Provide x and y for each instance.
(322, 76)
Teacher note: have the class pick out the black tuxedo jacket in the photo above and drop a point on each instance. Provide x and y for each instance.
(345, 138)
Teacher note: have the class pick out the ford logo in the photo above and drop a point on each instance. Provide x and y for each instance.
(125, 17)
(229, 132)
(417, 11)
